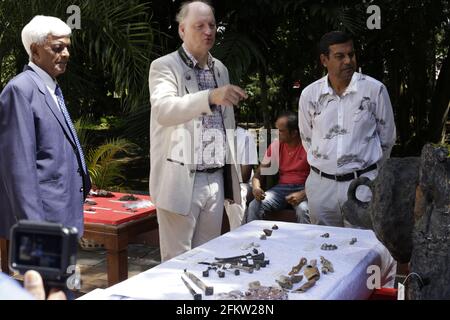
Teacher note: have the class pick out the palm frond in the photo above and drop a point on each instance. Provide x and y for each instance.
(137, 124)
(103, 165)
(119, 35)
(81, 128)
(340, 17)
(238, 52)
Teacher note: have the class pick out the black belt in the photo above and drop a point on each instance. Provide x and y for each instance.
(210, 170)
(344, 177)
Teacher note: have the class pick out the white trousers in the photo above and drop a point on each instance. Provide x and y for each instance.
(179, 233)
(326, 198)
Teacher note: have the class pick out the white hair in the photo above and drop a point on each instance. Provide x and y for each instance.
(40, 27)
(184, 9)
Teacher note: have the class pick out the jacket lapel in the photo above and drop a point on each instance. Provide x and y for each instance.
(190, 81)
(51, 104)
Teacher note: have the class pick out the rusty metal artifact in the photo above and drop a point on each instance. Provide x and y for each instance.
(327, 266)
(296, 269)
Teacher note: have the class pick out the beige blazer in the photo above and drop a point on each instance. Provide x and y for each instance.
(176, 109)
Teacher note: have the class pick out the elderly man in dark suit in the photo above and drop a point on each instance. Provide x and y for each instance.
(43, 175)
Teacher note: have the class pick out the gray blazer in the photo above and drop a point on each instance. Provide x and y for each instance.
(40, 170)
(176, 109)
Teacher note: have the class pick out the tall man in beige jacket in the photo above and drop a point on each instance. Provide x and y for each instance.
(192, 166)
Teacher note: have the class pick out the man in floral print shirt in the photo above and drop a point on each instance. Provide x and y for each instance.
(347, 127)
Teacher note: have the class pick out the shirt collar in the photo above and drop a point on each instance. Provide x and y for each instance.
(48, 81)
(209, 63)
(352, 87)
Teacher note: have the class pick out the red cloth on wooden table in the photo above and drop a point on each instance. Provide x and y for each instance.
(111, 210)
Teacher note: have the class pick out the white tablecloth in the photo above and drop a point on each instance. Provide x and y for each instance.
(284, 249)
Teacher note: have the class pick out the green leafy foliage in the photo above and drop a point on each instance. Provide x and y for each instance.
(238, 52)
(104, 167)
(105, 160)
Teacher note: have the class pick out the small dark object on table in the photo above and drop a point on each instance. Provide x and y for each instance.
(103, 194)
(128, 197)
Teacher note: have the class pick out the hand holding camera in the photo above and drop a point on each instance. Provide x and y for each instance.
(49, 249)
(34, 284)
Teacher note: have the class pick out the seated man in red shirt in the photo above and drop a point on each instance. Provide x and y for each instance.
(286, 154)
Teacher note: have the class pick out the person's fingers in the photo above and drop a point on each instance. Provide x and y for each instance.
(228, 103)
(56, 295)
(228, 96)
(240, 92)
(234, 98)
(33, 284)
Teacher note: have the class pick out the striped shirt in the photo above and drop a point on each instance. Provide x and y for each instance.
(213, 137)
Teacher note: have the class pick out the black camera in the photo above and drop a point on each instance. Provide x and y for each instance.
(49, 248)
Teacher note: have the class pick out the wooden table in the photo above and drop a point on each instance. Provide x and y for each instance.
(116, 239)
(4, 252)
(109, 223)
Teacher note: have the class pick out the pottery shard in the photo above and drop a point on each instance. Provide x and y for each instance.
(311, 273)
(306, 286)
(296, 269)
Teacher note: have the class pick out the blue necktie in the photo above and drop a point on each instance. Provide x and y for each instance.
(62, 105)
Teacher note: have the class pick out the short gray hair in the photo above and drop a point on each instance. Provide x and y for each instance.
(40, 27)
(184, 9)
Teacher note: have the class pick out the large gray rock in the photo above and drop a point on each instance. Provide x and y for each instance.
(410, 214)
(430, 259)
(390, 212)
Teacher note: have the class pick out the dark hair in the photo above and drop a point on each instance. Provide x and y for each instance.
(292, 123)
(330, 38)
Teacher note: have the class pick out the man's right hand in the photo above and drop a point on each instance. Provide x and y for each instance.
(228, 96)
(259, 194)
